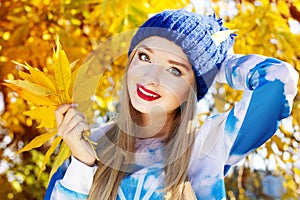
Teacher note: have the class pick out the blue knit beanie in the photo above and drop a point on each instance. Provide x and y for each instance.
(193, 33)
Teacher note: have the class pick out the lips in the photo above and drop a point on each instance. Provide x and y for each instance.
(146, 94)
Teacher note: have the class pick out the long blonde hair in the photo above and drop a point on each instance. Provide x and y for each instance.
(116, 151)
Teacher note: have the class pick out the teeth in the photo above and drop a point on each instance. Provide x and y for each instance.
(147, 93)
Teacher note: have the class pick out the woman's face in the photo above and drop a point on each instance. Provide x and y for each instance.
(159, 76)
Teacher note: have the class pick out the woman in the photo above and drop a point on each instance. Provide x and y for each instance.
(153, 150)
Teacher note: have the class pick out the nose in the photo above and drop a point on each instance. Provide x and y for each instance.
(153, 74)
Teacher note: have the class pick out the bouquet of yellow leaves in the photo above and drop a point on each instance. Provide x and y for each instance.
(46, 93)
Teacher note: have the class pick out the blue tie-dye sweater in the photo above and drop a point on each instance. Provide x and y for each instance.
(269, 87)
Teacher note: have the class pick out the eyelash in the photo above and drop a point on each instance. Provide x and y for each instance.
(144, 54)
(173, 70)
(176, 73)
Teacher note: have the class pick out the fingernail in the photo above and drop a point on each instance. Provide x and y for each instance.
(74, 105)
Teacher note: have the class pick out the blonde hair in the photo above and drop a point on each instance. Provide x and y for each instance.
(116, 151)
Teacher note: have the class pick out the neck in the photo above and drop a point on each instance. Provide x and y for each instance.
(156, 125)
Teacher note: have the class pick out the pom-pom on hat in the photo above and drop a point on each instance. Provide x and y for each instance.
(194, 34)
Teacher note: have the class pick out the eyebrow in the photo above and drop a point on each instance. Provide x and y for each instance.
(179, 64)
(173, 62)
(146, 47)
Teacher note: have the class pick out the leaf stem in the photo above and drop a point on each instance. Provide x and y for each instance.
(93, 144)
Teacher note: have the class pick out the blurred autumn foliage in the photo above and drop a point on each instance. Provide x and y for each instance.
(28, 29)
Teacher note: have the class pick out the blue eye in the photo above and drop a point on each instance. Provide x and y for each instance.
(175, 71)
(144, 57)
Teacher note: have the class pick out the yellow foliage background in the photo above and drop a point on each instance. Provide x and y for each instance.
(28, 29)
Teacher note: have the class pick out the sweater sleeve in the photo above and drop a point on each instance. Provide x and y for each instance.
(76, 182)
(269, 86)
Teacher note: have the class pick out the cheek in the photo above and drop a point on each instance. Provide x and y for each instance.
(134, 64)
(183, 95)
(132, 77)
(179, 90)
(135, 69)
(129, 82)
(131, 73)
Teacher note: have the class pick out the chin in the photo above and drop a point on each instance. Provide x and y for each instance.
(141, 108)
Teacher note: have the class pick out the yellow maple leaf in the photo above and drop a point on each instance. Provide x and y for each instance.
(46, 93)
(36, 76)
(62, 73)
(50, 151)
(32, 87)
(63, 154)
(29, 96)
(37, 142)
(44, 115)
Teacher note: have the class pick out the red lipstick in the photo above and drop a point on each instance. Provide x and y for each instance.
(146, 94)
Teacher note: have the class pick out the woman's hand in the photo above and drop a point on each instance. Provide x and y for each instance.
(71, 124)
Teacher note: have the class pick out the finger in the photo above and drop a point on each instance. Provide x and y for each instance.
(72, 123)
(75, 132)
(68, 124)
(70, 115)
(60, 112)
(64, 115)
(80, 148)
